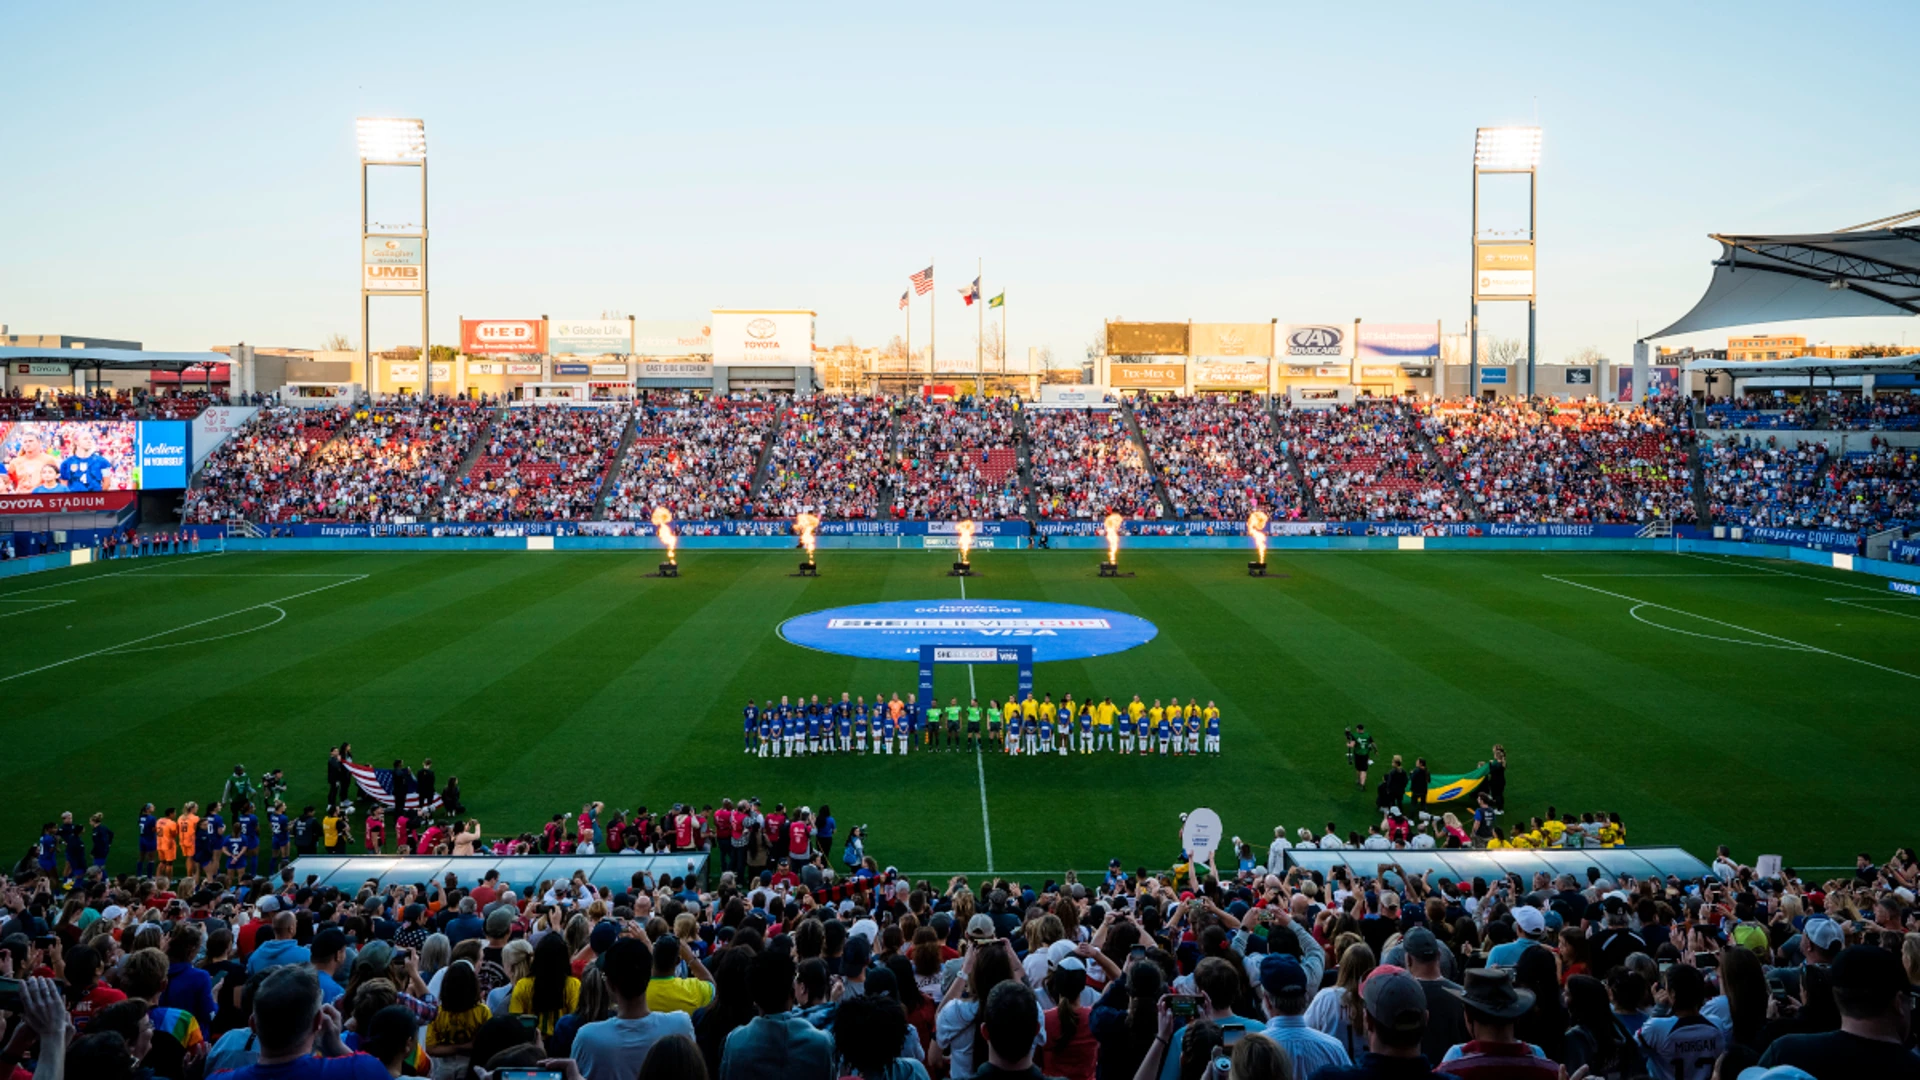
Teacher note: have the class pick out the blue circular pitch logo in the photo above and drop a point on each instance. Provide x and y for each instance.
(895, 630)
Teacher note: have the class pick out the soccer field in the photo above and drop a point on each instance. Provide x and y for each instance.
(1768, 705)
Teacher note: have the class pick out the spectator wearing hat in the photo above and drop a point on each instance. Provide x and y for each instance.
(1069, 1049)
(1446, 1018)
(1284, 994)
(1396, 1023)
(1876, 1012)
(1529, 923)
(1672, 1044)
(1492, 1003)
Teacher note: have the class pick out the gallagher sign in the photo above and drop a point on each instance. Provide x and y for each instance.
(393, 264)
(896, 630)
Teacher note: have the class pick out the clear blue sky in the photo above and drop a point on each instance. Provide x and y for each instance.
(184, 174)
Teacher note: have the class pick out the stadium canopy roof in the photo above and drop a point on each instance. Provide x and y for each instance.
(112, 359)
(1813, 365)
(1871, 269)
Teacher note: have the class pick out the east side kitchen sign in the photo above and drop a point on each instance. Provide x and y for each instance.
(503, 337)
(763, 337)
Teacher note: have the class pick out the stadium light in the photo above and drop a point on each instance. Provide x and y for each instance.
(387, 138)
(1503, 266)
(1506, 149)
(393, 259)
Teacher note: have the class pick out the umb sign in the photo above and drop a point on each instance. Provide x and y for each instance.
(392, 264)
(1200, 836)
(1503, 271)
(503, 337)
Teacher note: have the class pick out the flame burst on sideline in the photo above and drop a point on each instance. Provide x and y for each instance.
(1257, 528)
(965, 530)
(805, 524)
(663, 528)
(1113, 523)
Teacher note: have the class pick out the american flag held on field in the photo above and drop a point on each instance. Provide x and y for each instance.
(923, 281)
(378, 784)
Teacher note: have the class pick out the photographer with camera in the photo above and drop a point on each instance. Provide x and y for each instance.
(1360, 753)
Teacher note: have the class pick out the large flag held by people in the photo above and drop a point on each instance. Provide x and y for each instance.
(1446, 789)
(378, 784)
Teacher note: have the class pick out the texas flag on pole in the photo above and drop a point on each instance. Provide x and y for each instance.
(971, 293)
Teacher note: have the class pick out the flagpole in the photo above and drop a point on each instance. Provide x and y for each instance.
(980, 337)
(933, 322)
(1004, 346)
(909, 306)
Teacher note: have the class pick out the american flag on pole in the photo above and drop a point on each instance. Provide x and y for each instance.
(923, 281)
(378, 784)
(904, 297)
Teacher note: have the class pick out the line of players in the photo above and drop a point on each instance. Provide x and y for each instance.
(795, 729)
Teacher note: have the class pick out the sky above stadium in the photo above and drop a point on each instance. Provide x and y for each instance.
(186, 176)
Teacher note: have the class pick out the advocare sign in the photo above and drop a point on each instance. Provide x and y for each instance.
(1200, 836)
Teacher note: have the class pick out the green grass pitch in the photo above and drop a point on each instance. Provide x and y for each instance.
(1768, 705)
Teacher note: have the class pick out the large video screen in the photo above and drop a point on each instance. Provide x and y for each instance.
(58, 457)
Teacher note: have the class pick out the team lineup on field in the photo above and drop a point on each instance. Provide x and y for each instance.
(1026, 727)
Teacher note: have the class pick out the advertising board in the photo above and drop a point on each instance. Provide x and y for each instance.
(1147, 376)
(1314, 343)
(1402, 342)
(503, 337)
(767, 336)
(1073, 396)
(672, 369)
(393, 264)
(214, 425)
(1503, 271)
(1146, 339)
(1229, 374)
(1231, 339)
(683, 338)
(579, 337)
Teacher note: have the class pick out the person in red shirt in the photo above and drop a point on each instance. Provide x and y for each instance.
(800, 837)
(777, 831)
(682, 829)
(484, 893)
(376, 832)
(88, 995)
(723, 833)
(402, 832)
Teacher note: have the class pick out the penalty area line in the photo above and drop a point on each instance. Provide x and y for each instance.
(128, 645)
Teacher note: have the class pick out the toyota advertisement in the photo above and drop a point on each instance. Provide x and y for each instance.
(54, 465)
(503, 337)
(772, 337)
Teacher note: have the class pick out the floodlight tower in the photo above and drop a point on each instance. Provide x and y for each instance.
(393, 257)
(1503, 263)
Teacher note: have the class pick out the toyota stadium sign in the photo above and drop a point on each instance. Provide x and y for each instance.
(1318, 341)
(776, 337)
(503, 337)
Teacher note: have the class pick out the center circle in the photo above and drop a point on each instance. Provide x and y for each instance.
(895, 629)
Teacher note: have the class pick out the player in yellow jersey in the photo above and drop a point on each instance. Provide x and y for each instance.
(1029, 711)
(1011, 714)
(1103, 724)
(1553, 828)
(1193, 726)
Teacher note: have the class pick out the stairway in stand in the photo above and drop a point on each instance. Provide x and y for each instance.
(1146, 459)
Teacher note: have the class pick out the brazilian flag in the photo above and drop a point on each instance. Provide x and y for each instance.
(1446, 789)
(998, 301)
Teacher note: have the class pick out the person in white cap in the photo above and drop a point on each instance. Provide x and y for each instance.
(1529, 923)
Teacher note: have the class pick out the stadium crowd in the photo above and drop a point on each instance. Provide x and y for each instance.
(775, 963)
(830, 459)
(1366, 461)
(1806, 487)
(1085, 465)
(543, 463)
(1535, 460)
(139, 404)
(392, 460)
(695, 457)
(958, 460)
(248, 475)
(1218, 458)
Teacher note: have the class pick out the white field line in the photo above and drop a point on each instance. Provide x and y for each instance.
(1732, 626)
(348, 579)
(1570, 574)
(1867, 605)
(1635, 612)
(38, 605)
(97, 577)
(1788, 573)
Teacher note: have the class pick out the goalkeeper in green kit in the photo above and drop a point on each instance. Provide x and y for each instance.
(1360, 753)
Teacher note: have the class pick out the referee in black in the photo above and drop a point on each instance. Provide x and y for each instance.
(1359, 754)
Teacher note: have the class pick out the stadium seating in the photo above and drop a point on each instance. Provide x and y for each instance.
(541, 463)
(247, 477)
(391, 462)
(1364, 462)
(1218, 458)
(830, 459)
(1808, 487)
(1086, 465)
(694, 457)
(956, 462)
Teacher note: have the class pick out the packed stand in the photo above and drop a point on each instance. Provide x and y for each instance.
(1899, 411)
(1085, 465)
(1540, 460)
(184, 404)
(830, 459)
(1365, 462)
(1217, 457)
(247, 476)
(541, 463)
(1759, 414)
(958, 460)
(1805, 487)
(391, 462)
(695, 457)
(92, 405)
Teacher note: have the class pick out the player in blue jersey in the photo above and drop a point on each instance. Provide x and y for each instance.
(1014, 732)
(234, 850)
(863, 725)
(766, 728)
(1193, 726)
(911, 708)
(1046, 732)
(887, 730)
(1212, 717)
(813, 728)
(750, 720)
(1066, 725)
(1143, 733)
(843, 715)
(1163, 732)
(1086, 726)
(76, 850)
(246, 825)
(148, 860)
(280, 831)
(1178, 726)
(46, 851)
(781, 728)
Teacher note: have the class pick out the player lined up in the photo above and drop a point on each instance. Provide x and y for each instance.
(852, 725)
